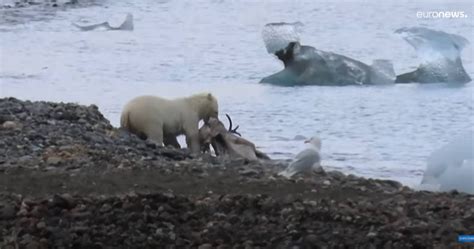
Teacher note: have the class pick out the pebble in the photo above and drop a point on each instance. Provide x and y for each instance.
(318, 170)
(41, 225)
(249, 172)
(205, 246)
(54, 160)
(10, 125)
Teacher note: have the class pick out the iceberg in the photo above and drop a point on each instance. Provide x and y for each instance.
(306, 65)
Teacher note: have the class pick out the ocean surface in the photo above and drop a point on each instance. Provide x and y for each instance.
(183, 47)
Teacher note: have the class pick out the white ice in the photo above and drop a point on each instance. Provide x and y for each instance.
(451, 167)
(432, 45)
(277, 36)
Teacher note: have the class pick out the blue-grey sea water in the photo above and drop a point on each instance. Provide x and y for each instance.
(182, 47)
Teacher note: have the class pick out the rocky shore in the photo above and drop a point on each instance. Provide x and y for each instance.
(68, 179)
(17, 12)
(43, 3)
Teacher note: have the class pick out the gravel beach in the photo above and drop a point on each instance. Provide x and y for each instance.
(69, 179)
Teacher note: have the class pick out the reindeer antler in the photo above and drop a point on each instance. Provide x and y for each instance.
(230, 126)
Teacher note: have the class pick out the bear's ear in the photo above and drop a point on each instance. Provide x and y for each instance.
(209, 96)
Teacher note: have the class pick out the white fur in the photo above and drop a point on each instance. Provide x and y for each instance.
(161, 120)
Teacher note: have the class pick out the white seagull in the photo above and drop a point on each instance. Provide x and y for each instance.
(306, 160)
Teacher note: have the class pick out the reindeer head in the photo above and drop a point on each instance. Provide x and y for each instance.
(212, 129)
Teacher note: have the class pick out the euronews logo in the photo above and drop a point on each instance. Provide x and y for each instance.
(466, 238)
(441, 14)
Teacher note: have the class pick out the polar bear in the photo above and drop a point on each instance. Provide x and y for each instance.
(161, 120)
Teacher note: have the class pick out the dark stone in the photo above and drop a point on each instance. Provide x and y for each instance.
(249, 172)
(63, 201)
(205, 246)
(7, 211)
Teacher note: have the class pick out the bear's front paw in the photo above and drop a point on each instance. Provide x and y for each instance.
(152, 144)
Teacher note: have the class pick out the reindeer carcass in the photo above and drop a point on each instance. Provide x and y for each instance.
(227, 142)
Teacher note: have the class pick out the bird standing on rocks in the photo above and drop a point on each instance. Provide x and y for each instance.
(306, 160)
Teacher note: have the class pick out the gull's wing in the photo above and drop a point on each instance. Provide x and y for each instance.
(306, 157)
(302, 162)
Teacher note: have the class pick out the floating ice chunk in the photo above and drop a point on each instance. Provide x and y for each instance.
(439, 53)
(452, 166)
(127, 24)
(277, 36)
(433, 44)
(306, 65)
(460, 178)
(382, 72)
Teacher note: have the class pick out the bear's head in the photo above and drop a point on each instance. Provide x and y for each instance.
(212, 107)
(205, 105)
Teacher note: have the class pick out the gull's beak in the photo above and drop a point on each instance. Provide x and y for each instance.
(306, 141)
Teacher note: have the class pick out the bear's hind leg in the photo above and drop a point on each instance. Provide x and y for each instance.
(170, 139)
